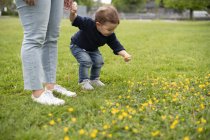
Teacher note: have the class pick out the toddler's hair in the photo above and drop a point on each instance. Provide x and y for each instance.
(107, 13)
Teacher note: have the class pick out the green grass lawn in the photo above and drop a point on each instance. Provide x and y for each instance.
(161, 94)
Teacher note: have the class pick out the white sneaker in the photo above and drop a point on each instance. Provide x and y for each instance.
(64, 91)
(47, 98)
(97, 82)
(86, 84)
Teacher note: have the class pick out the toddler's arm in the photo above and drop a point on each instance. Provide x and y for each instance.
(73, 11)
(125, 55)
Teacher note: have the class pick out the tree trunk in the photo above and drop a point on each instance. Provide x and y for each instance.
(191, 14)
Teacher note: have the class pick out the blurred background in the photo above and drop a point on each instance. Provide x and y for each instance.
(135, 9)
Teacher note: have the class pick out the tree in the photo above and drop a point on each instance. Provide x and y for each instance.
(88, 3)
(185, 4)
(128, 5)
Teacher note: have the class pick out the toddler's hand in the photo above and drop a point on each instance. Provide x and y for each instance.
(127, 57)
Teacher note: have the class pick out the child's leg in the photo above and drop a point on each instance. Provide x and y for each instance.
(98, 62)
(84, 61)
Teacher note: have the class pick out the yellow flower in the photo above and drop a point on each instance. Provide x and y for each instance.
(202, 106)
(134, 130)
(93, 134)
(109, 135)
(200, 129)
(59, 120)
(124, 114)
(163, 117)
(155, 133)
(70, 109)
(126, 127)
(73, 120)
(117, 104)
(120, 117)
(186, 138)
(65, 129)
(81, 132)
(173, 125)
(203, 120)
(66, 138)
(52, 122)
(106, 126)
(50, 114)
(114, 111)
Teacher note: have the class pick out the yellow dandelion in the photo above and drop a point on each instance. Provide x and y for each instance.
(106, 126)
(117, 104)
(186, 138)
(120, 117)
(126, 127)
(109, 135)
(66, 138)
(155, 133)
(173, 125)
(50, 114)
(199, 129)
(134, 130)
(202, 86)
(73, 120)
(103, 133)
(114, 121)
(163, 117)
(65, 129)
(81, 132)
(114, 111)
(202, 106)
(93, 134)
(52, 122)
(70, 109)
(59, 120)
(203, 120)
(124, 114)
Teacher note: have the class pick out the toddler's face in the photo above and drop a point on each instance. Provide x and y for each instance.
(107, 28)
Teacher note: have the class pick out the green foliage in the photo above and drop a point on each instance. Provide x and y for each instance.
(162, 94)
(129, 5)
(185, 4)
(5, 2)
(88, 3)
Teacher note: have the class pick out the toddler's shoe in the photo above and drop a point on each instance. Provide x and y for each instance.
(86, 85)
(47, 98)
(64, 91)
(97, 82)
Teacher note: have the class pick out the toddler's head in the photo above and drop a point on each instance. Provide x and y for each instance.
(107, 19)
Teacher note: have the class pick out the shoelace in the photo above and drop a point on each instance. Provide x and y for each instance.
(60, 88)
(49, 94)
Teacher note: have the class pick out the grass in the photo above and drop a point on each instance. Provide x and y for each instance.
(161, 94)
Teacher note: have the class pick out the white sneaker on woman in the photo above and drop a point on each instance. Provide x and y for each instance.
(47, 98)
(64, 91)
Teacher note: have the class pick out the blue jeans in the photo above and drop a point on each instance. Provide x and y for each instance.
(39, 47)
(87, 60)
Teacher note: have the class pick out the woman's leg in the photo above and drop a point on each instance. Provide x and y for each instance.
(35, 22)
(49, 49)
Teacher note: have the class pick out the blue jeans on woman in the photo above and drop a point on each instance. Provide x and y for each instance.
(39, 47)
(87, 60)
